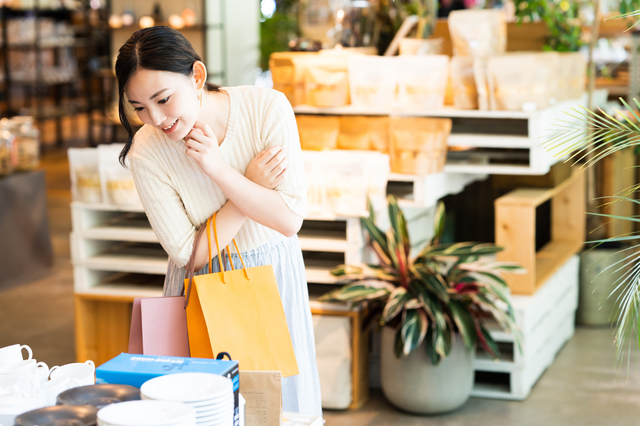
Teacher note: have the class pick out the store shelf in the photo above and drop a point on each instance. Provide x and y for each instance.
(318, 272)
(107, 207)
(126, 229)
(440, 112)
(427, 190)
(128, 259)
(499, 133)
(324, 240)
(122, 290)
(546, 322)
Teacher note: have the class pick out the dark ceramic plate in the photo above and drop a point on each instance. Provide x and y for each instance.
(61, 415)
(99, 395)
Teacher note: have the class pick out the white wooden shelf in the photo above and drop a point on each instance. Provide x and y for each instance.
(108, 207)
(546, 321)
(440, 112)
(143, 263)
(122, 290)
(523, 130)
(125, 230)
(324, 240)
(318, 272)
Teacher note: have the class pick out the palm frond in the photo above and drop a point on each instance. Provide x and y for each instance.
(591, 136)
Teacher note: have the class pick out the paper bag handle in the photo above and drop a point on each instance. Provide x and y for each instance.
(191, 264)
(215, 235)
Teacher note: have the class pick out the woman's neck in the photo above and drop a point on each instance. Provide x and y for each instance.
(215, 112)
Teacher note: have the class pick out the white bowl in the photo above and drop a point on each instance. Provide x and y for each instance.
(146, 413)
(188, 387)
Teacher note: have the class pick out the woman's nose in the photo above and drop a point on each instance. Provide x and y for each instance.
(157, 117)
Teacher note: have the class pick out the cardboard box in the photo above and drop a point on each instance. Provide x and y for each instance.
(134, 370)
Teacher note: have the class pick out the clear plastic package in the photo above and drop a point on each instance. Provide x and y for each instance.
(418, 144)
(326, 81)
(117, 181)
(422, 80)
(318, 132)
(478, 32)
(340, 181)
(26, 146)
(85, 175)
(372, 81)
(465, 93)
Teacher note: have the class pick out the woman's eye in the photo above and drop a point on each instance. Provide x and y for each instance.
(138, 109)
(164, 101)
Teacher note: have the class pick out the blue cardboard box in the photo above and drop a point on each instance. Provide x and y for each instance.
(134, 370)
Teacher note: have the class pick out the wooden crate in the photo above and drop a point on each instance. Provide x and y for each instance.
(359, 349)
(102, 326)
(515, 230)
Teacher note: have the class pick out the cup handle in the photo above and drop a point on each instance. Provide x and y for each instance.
(29, 351)
(91, 363)
(43, 365)
(55, 367)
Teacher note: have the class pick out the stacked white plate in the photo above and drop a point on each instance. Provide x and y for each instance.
(210, 395)
(147, 413)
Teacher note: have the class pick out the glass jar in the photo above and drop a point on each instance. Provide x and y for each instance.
(6, 144)
(26, 146)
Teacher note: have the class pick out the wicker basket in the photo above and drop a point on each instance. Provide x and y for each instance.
(318, 132)
(418, 145)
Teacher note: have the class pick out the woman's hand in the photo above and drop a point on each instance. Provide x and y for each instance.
(202, 146)
(268, 168)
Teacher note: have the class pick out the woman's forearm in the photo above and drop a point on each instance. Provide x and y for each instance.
(258, 203)
(229, 220)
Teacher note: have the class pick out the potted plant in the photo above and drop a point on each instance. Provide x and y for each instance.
(434, 307)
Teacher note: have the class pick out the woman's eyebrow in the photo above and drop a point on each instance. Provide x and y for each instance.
(151, 98)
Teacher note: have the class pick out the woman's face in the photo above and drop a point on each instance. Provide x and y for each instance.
(164, 99)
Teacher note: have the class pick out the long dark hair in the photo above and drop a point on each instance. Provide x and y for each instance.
(158, 49)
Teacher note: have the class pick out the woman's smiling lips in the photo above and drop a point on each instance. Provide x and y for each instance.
(170, 128)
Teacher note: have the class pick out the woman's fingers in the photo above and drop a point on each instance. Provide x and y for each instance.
(277, 157)
(205, 129)
(280, 166)
(198, 135)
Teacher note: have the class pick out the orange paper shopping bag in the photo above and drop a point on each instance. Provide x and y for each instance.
(239, 312)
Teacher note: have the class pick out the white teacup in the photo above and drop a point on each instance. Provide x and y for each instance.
(12, 354)
(12, 406)
(51, 389)
(83, 371)
(12, 385)
(27, 369)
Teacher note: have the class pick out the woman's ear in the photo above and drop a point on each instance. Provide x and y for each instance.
(199, 74)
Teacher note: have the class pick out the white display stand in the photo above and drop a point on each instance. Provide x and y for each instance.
(523, 130)
(547, 322)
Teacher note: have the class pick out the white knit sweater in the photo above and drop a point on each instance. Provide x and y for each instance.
(178, 197)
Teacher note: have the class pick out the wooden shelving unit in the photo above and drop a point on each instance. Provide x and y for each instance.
(516, 231)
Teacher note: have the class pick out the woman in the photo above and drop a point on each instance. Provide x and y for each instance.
(235, 151)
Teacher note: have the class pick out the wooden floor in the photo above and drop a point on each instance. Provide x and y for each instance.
(581, 388)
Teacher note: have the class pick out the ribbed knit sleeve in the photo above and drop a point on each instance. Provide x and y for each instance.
(280, 129)
(164, 208)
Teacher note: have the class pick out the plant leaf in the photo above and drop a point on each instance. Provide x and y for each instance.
(397, 299)
(464, 322)
(414, 329)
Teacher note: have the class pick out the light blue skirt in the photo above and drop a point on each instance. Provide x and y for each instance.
(300, 393)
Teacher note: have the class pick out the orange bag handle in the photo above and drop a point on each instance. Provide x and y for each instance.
(215, 235)
(192, 260)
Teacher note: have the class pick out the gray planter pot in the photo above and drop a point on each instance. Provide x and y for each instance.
(414, 384)
(596, 306)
